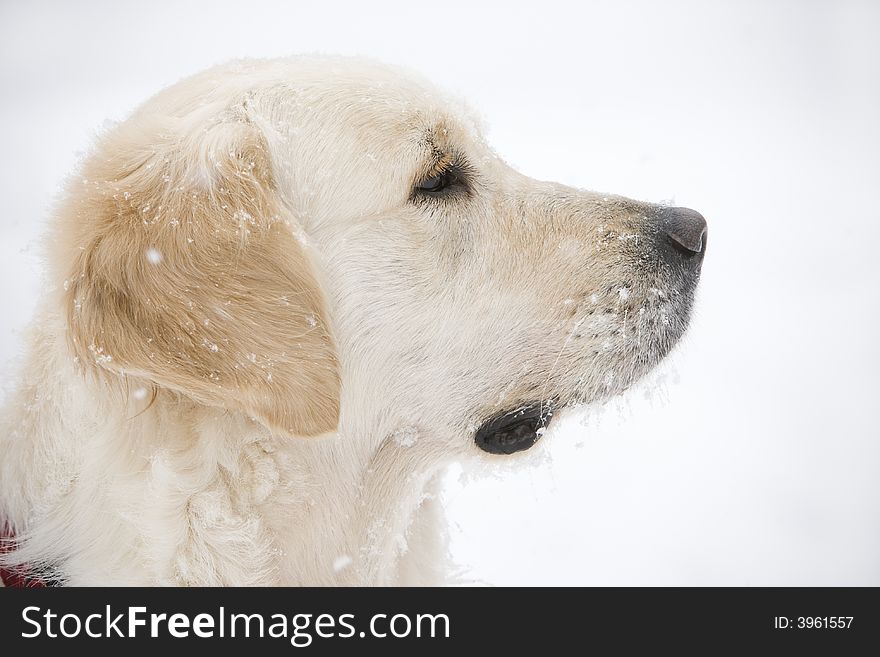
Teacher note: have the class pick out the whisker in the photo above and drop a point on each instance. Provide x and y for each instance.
(576, 326)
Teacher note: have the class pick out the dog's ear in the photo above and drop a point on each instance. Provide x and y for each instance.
(187, 273)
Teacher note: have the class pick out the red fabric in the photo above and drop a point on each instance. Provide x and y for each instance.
(17, 577)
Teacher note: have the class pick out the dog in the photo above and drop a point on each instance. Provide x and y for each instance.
(283, 296)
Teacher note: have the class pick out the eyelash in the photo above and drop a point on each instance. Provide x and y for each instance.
(452, 179)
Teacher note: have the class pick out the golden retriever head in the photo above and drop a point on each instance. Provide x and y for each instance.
(288, 239)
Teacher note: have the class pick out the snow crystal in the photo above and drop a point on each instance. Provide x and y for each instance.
(154, 256)
(139, 393)
(341, 562)
(594, 298)
(623, 293)
(301, 237)
(406, 437)
(100, 357)
(312, 320)
(243, 218)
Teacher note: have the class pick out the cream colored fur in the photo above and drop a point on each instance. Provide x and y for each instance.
(260, 348)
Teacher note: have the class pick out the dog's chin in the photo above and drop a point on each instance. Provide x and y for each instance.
(515, 430)
(520, 428)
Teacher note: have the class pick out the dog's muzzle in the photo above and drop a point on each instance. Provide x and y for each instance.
(514, 431)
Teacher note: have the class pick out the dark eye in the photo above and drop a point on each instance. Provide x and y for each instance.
(436, 184)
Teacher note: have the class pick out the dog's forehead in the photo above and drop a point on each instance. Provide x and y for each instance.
(375, 96)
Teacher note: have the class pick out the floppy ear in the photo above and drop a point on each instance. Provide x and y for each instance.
(188, 274)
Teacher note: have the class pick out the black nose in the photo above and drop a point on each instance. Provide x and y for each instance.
(686, 229)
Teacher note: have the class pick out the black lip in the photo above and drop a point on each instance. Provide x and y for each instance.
(514, 431)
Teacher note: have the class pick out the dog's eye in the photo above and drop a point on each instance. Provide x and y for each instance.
(449, 179)
(436, 184)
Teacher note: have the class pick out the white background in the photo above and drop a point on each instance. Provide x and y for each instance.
(752, 457)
